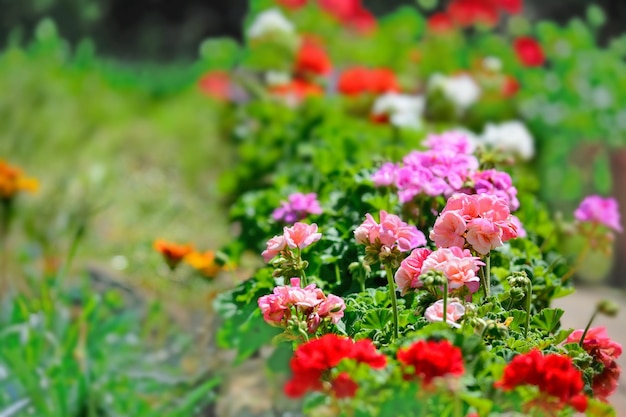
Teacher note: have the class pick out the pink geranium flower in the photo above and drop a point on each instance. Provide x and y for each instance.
(487, 218)
(455, 311)
(457, 265)
(391, 232)
(274, 246)
(298, 207)
(407, 276)
(598, 210)
(301, 235)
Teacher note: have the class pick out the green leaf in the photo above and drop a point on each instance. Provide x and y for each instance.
(548, 319)
(482, 405)
(377, 319)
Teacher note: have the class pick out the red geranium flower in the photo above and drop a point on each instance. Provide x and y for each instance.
(559, 382)
(430, 360)
(351, 13)
(313, 360)
(440, 23)
(529, 52)
(311, 58)
(359, 80)
(215, 84)
(510, 86)
(470, 12)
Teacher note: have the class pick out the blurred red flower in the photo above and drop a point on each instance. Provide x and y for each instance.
(297, 89)
(470, 12)
(311, 58)
(292, 4)
(440, 23)
(511, 6)
(215, 84)
(510, 86)
(351, 13)
(529, 52)
(359, 80)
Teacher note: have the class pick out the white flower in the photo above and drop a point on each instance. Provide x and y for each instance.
(276, 78)
(512, 137)
(270, 21)
(460, 89)
(403, 110)
(492, 63)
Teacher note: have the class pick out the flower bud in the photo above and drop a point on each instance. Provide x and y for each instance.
(519, 280)
(517, 293)
(608, 308)
(433, 278)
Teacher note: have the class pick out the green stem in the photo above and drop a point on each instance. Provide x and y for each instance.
(394, 301)
(593, 316)
(6, 214)
(303, 280)
(80, 232)
(581, 256)
(529, 297)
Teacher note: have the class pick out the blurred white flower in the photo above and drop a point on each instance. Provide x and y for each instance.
(403, 110)
(511, 137)
(460, 89)
(270, 21)
(492, 63)
(273, 78)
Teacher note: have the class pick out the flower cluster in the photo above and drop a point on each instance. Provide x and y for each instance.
(297, 207)
(529, 52)
(427, 360)
(313, 362)
(294, 305)
(203, 262)
(440, 170)
(362, 80)
(298, 236)
(605, 351)
(511, 138)
(481, 221)
(496, 183)
(559, 382)
(385, 240)
(399, 110)
(460, 89)
(465, 13)
(12, 181)
(597, 210)
(458, 266)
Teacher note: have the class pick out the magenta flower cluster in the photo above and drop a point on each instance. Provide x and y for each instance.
(440, 170)
(293, 304)
(457, 265)
(598, 210)
(496, 183)
(480, 221)
(298, 236)
(391, 232)
(297, 207)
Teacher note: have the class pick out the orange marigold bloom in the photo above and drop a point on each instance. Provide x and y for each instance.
(204, 262)
(173, 253)
(13, 181)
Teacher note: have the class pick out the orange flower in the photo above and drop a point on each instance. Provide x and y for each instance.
(13, 181)
(173, 253)
(204, 262)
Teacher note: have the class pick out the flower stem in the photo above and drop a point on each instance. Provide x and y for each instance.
(593, 316)
(445, 301)
(303, 281)
(581, 256)
(394, 301)
(529, 298)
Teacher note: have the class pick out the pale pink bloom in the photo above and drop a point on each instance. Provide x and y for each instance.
(274, 246)
(521, 232)
(307, 297)
(297, 207)
(301, 235)
(595, 209)
(332, 308)
(449, 230)
(362, 233)
(455, 311)
(457, 265)
(483, 235)
(407, 276)
(391, 231)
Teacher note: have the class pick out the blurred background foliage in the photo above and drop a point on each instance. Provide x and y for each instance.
(162, 30)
